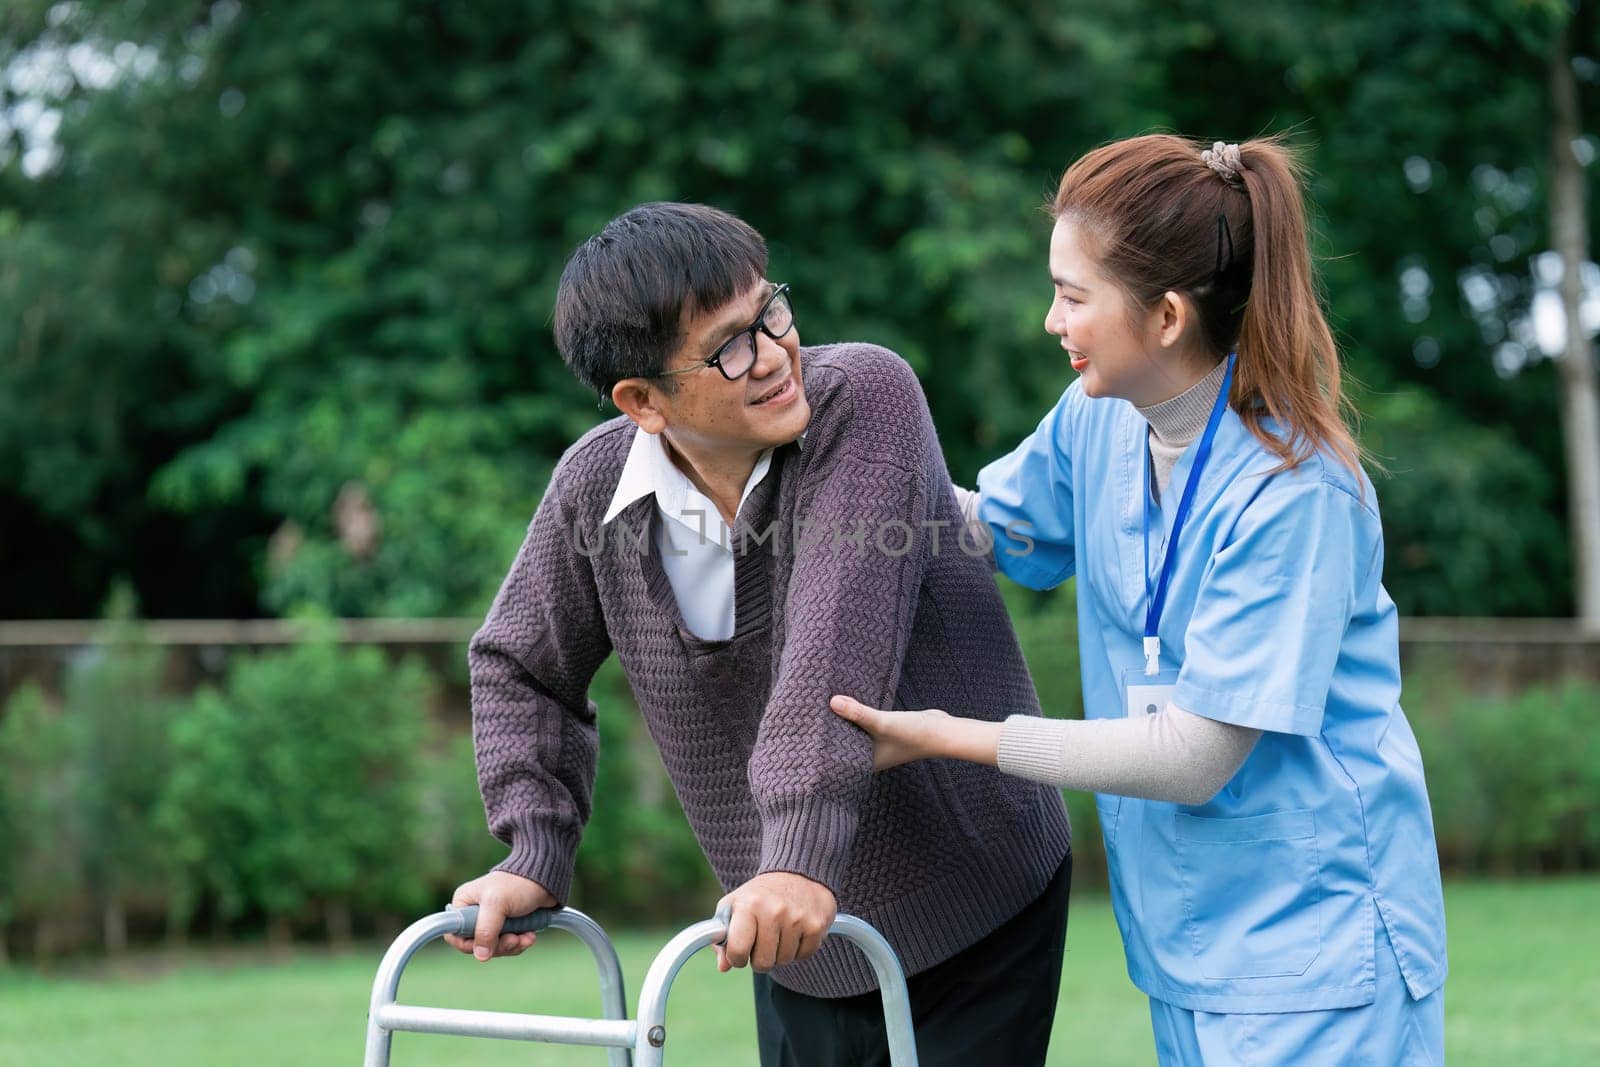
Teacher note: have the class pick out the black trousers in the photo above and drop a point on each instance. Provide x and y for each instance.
(991, 1003)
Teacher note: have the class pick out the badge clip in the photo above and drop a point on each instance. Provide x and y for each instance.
(1152, 655)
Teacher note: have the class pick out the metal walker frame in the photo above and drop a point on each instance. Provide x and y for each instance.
(632, 1042)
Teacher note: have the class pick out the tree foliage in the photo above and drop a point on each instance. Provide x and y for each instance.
(121, 713)
(275, 323)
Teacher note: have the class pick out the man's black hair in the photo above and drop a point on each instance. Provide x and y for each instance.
(628, 291)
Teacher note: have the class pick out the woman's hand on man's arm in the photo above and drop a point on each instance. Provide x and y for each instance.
(902, 736)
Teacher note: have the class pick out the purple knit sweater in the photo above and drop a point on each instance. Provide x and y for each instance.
(849, 578)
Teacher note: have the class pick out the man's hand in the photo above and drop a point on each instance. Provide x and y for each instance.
(777, 918)
(499, 894)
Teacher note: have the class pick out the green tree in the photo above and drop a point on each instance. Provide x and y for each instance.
(44, 882)
(1569, 233)
(122, 718)
(280, 310)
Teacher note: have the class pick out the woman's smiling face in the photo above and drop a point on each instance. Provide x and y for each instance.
(1109, 343)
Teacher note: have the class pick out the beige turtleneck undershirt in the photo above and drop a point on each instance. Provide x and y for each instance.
(1177, 423)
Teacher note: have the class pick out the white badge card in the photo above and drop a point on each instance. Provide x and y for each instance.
(1147, 694)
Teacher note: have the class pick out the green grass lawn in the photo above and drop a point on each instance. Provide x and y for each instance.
(1523, 988)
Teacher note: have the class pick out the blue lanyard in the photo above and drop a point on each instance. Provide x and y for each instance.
(1156, 598)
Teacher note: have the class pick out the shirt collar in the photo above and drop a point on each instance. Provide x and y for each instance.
(639, 473)
(649, 470)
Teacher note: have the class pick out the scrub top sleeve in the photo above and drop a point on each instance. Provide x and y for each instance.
(1271, 611)
(1026, 500)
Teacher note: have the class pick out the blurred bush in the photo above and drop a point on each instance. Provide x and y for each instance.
(295, 788)
(119, 720)
(455, 843)
(312, 793)
(1514, 780)
(41, 820)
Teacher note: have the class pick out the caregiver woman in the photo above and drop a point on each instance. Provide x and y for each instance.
(1272, 858)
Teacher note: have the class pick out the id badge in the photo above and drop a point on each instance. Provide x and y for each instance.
(1146, 694)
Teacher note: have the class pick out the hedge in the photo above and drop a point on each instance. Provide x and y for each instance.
(313, 792)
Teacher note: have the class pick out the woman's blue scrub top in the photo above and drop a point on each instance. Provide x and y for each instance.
(1263, 899)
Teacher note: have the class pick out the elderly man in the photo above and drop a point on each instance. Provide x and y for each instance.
(764, 526)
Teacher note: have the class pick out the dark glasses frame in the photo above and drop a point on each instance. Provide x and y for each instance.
(715, 359)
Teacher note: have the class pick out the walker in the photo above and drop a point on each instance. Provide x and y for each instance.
(632, 1042)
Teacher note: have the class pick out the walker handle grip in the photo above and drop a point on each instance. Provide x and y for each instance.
(467, 921)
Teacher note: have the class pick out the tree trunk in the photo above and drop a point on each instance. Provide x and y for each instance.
(280, 936)
(180, 912)
(336, 915)
(387, 926)
(114, 926)
(1580, 401)
(44, 938)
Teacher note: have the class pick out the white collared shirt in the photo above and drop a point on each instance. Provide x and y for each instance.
(694, 543)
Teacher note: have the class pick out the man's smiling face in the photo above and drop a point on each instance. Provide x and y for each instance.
(763, 409)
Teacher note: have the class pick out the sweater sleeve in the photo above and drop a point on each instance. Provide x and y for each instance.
(532, 723)
(1174, 755)
(859, 557)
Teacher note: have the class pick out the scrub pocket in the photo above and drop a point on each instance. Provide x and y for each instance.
(1251, 890)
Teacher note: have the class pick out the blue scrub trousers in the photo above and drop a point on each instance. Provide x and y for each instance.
(1392, 1031)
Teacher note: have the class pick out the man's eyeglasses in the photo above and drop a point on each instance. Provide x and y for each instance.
(738, 354)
